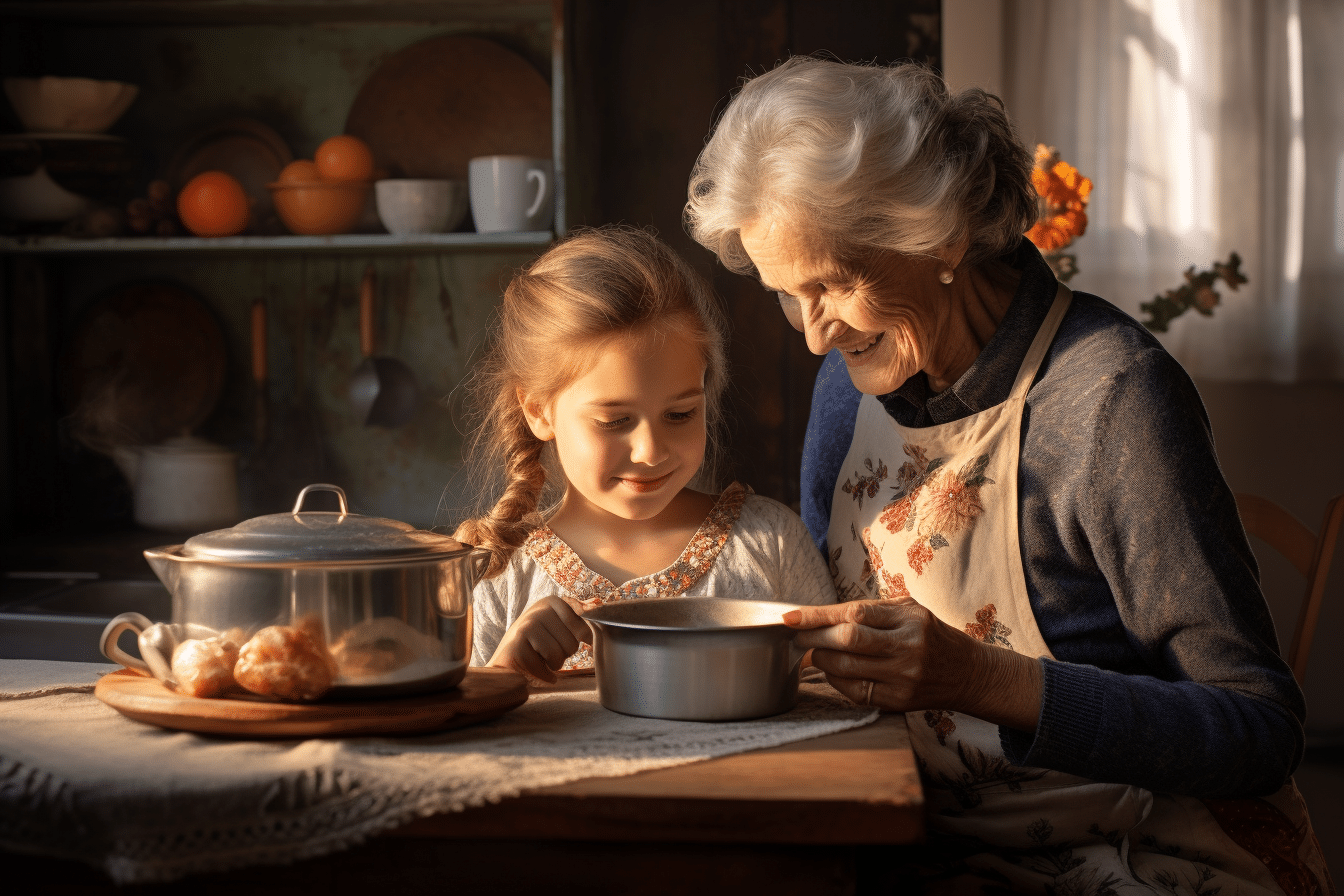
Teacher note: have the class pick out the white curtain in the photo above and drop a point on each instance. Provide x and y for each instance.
(1207, 127)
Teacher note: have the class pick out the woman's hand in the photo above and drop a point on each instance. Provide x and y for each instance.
(541, 639)
(897, 655)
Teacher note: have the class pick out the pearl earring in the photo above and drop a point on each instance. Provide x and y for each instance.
(946, 276)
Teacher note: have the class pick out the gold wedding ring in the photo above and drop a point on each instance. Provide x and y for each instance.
(868, 693)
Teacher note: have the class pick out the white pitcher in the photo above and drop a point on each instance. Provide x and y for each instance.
(185, 484)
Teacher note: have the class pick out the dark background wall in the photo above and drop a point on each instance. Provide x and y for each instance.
(649, 79)
(644, 82)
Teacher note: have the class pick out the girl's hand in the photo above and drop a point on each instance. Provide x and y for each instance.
(540, 640)
(897, 655)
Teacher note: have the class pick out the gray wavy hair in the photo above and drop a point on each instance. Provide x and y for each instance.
(863, 158)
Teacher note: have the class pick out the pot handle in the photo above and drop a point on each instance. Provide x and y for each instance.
(796, 653)
(480, 562)
(321, 486)
(125, 622)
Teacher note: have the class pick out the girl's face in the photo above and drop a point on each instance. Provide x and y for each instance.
(630, 433)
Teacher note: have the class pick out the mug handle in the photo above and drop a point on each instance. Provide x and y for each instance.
(540, 177)
(125, 622)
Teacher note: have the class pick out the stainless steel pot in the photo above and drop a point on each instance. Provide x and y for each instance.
(394, 602)
(695, 658)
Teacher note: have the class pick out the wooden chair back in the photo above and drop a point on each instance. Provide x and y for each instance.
(1310, 554)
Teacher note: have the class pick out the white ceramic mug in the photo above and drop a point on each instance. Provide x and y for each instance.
(511, 193)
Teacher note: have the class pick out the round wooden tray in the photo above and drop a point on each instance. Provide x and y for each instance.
(147, 361)
(433, 106)
(483, 694)
(248, 149)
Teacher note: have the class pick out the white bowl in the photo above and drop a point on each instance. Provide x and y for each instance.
(408, 205)
(36, 197)
(69, 105)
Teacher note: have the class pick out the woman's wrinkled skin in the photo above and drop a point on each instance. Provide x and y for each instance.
(890, 317)
(916, 661)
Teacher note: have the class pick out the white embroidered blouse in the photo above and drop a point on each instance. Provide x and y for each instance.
(749, 547)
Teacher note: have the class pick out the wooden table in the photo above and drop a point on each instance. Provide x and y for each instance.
(831, 815)
(857, 786)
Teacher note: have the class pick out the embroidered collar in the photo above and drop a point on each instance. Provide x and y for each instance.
(564, 566)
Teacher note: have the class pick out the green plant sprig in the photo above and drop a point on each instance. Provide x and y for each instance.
(1197, 292)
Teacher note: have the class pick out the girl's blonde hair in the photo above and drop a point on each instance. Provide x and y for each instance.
(593, 287)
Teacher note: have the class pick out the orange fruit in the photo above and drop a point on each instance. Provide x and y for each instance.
(344, 157)
(213, 203)
(299, 171)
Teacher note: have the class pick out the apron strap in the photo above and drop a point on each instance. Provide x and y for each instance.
(1026, 374)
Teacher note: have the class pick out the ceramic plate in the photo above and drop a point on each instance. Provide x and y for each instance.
(438, 103)
(249, 150)
(146, 362)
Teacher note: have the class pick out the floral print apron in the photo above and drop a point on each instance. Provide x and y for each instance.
(938, 523)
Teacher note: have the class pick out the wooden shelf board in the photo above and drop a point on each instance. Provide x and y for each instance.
(370, 242)
(252, 12)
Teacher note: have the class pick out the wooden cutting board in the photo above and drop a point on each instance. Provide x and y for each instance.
(483, 694)
(251, 151)
(433, 106)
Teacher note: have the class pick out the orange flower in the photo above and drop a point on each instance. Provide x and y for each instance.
(940, 720)
(1054, 232)
(895, 515)
(918, 554)
(1206, 298)
(1063, 199)
(889, 587)
(953, 505)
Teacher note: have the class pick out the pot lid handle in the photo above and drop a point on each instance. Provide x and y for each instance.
(321, 486)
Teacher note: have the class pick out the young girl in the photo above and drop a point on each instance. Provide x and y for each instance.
(598, 398)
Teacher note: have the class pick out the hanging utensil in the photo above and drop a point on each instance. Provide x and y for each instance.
(384, 391)
(446, 304)
(259, 370)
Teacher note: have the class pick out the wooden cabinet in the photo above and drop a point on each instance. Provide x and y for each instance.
(292, 65)
(296, 66)
(636, 86)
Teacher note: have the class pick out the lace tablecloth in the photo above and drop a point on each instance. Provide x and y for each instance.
(80, 781)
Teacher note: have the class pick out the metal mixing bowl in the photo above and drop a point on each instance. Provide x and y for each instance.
(695, 658)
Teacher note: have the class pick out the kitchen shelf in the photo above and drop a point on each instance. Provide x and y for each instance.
(295, 66)
(362, 242)
(198, 62)
(253, 12)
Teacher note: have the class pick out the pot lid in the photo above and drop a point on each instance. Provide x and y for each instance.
(319, 537)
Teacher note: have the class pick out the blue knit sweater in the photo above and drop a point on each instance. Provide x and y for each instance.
(1166, 672)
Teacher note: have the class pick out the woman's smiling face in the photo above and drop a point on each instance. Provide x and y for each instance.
(834, 304)
(630, 432)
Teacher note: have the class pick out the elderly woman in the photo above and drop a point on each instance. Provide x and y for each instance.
(1017, 491)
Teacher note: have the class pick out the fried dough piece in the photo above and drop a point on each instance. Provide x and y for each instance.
(379, 646)
(204, 667)
(290, 662)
